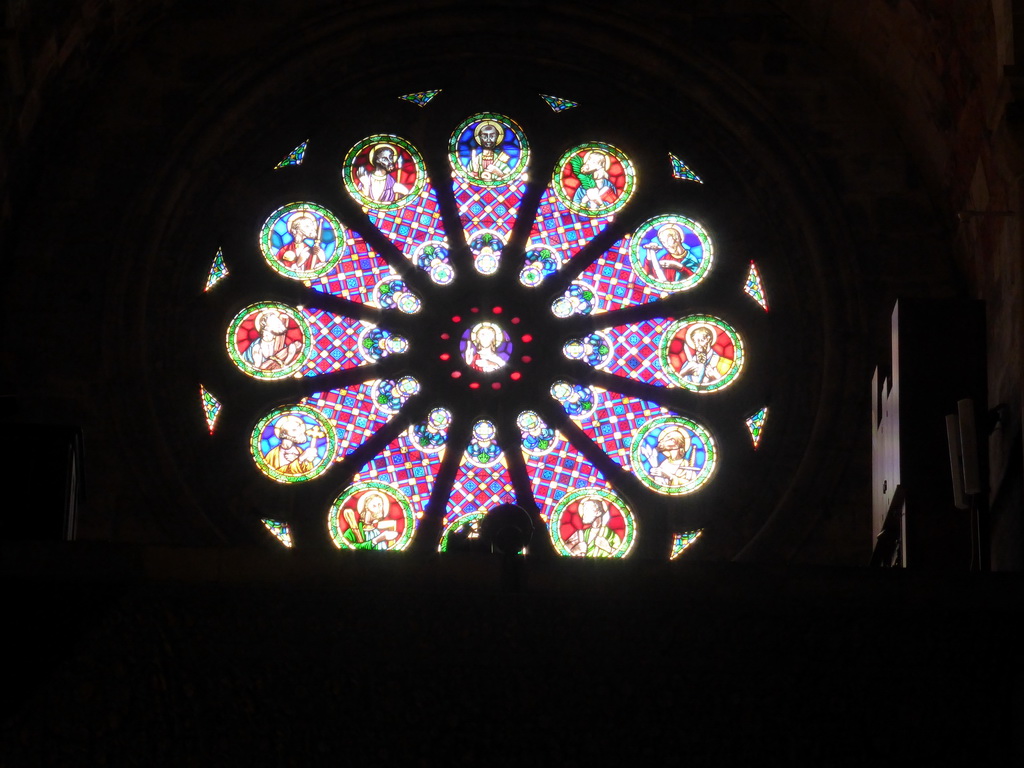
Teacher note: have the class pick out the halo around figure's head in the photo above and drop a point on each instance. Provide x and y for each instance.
(498, 127)
(709, 330)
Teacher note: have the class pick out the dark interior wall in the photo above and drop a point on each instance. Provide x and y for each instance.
(134, 130)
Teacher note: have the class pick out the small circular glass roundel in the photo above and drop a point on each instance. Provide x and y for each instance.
(371, 515)
(302, 240)
(269, 340)
(384, 172)
(671, 253)
(673, 455)
(701, 353)
(488, 149)
(592, 522)
(594, 179)
(293, 443)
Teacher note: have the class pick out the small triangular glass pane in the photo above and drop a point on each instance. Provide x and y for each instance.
(294, 157)
(754, 287)
(755, 424)
(211, 407)
(280, 531)
(420, 98)
(681, 541)
(218, 270)
(681, 170)
(558, 104)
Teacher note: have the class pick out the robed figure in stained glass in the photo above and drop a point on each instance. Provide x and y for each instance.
(596, 538)
(271, 351)
(668, 260)
(377, 183)
(369, 526)
(305, 252)
(289, 457)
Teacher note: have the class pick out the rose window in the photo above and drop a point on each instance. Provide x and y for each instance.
(484, 333)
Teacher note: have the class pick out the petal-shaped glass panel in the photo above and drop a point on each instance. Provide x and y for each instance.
(585, 516)
(489, 155)
(701, 353)
(668, 453)
(386, 175)
(591, 183)
(270, 340)
(665, 255)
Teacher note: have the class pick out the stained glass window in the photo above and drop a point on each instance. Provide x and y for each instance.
(434, 352)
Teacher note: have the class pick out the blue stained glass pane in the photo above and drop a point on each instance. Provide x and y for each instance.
(361, 422)
(547, 474)
(419, 472)
(608, 272)
(470, 485)
(349, 402)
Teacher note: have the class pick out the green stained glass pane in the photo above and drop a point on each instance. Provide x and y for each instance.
(558, 104)
(681, 541)
(420, 98)
(755, 424)
(754, 288)
(294, 157)
(211, 407)
(280, 531)
(681, 170)
(218, 270)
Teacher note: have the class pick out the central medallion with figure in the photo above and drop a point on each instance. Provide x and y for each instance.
(485, 348)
